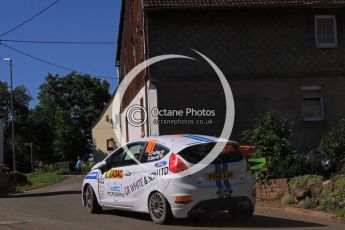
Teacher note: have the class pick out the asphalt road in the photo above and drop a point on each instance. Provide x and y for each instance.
(59, 207)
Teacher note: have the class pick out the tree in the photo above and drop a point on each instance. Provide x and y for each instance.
(21, 100)
(333, 145)
(68, 106)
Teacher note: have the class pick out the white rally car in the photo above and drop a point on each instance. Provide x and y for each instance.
(141, 177)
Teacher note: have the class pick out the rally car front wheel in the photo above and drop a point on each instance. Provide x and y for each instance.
(91, 200)
(159, 209)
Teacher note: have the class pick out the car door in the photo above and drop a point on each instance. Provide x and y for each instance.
(155, 166)
(119, 174)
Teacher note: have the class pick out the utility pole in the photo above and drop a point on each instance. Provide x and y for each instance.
(12, 114)
(32, 164)
(31, 154)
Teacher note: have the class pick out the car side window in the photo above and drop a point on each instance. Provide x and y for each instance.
(123, 158)
(115, 159)
(154, 153)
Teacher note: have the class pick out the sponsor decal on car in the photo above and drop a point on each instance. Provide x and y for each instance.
(114, 190)
(101, 186)
(114, 173)
(115, 187)
(128, 173)
(92, 175)
(116, 194)
(150, 146)
(156, 155)
(198, 138)
(140, 183)
(160, 164)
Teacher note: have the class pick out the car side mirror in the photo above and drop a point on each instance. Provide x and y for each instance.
(103, 166)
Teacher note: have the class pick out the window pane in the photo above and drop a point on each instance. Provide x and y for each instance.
(135, 150)
(116, 158)
(325, 30)
(156, 154)
(196, 153)
(312, 109)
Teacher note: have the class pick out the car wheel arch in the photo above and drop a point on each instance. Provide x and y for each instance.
(154, 191)
(84, 190)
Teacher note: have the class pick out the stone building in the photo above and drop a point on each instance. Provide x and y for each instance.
(281, 55)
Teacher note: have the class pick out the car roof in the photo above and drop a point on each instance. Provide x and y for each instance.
(181, 141)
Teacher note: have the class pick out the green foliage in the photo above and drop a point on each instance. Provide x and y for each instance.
(333, 200)
(271, 136)
(22, 121)
(64, 168)
(327, 193)
(21, 99)
(340, 183)
(288, 199)
(333, 145)
(41, 179)
(87, 166)
(307, 203)
(340, 213)
(306, 181)
(33, 181)
(68, 107)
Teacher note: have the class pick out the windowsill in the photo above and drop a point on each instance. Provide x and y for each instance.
(327, 47)
(314, 120)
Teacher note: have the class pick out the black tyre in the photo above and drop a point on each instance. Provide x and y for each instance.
(159, 209)
(91, 200)
(242, 212)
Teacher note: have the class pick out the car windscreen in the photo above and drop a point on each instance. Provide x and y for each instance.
(194, 154)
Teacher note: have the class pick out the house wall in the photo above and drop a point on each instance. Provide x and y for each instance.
(267, 56)
(152, 98)
(132, 49)
(102, 131)
(131, 132)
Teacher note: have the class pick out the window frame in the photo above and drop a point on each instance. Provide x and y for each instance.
(119, 150)
(321, 99)
(326, 45)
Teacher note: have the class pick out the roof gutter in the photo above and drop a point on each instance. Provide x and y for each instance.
(186, 8)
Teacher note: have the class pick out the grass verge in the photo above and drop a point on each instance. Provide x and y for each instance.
(35, 180)
(41, 179)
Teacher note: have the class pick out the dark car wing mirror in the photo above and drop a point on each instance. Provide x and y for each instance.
(103, 167)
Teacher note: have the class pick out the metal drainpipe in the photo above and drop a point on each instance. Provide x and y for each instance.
(148, 130)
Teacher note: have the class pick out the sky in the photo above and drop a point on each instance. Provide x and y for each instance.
(68, 20)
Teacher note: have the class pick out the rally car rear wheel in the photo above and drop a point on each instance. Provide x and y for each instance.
(159, 209)
(242, 211)
(91, 200)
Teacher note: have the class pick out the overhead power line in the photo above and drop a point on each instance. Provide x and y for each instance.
(29, 19)
(60, 42)
(53, 64)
